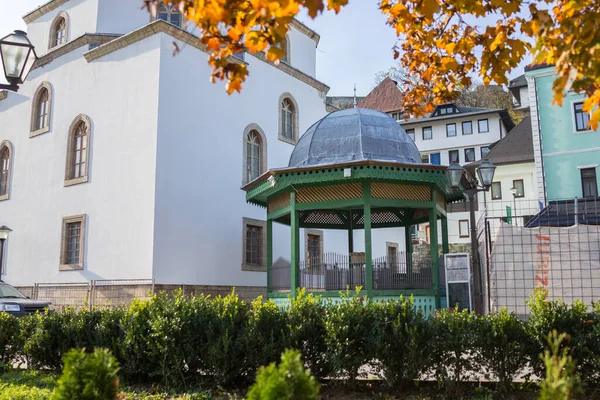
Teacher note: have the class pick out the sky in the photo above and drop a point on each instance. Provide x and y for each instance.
(355, 44)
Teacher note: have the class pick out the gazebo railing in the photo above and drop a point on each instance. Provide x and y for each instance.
(335, 272)
(392, 273)
(331, 271)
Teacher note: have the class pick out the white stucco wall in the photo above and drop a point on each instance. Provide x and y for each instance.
(303, 52)
(199, 203)
(121, 16)
(82, 15)
(120, 95)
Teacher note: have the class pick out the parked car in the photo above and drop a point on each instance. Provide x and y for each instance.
(16, 303)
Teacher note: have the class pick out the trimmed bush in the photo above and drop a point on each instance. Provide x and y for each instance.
(306, 318)
(10, 343)
(287, 381)
(502, 347)
(579, 325)
(88, 376)
(452, 341)
(402, 340)
(350, 340)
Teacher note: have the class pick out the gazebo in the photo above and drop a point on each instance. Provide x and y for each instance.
(355, 169)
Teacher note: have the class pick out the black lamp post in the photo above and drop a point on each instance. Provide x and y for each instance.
(18, 56)
(4, 231)
(485, 172)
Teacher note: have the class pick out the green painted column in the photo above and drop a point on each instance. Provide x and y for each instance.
(409, 251)
(433, 250)
(445, 245)
(295, 256)
(269, 253)
(368, 249)
(350, 234)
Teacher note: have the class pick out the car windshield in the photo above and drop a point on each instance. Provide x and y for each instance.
(9, 292)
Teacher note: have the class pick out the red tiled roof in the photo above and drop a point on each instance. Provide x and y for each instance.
(385, 97)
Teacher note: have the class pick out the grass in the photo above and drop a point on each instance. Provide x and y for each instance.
(32, 385)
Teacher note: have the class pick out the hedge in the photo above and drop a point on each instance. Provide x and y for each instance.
(179, 341)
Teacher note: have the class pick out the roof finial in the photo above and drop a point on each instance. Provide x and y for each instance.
(355, 103)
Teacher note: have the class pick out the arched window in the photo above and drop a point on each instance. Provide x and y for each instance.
(255, 153)
(288, 119)
(5, 161)
(40, 114)
(78, 151)
(170, 13)
(59, 30)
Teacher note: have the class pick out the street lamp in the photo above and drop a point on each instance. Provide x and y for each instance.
(485, 172)
(514, 191)
(4, 231)
(18, 56)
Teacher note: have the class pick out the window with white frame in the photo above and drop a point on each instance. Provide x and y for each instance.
(288, 119)
(253, 155)
(78, 151)
(582, 118)
(425, 158)
(254, 245)
(411, 134)
(40, 112)
(72, 243)
(170, 13)
(483, 126)
(5, 165)
(59, 31)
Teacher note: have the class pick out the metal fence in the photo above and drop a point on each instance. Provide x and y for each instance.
(103, 293)
(334, 271)
(526, 245)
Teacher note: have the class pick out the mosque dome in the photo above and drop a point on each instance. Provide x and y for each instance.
(353, 135)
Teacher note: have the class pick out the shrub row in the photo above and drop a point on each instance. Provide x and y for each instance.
(177, 340)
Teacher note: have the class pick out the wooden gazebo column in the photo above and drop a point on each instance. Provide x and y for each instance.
(368, 242)
(295, 256)
(409, 249)
(433, 251)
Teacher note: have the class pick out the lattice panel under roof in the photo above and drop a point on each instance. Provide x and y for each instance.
(394, 191)
(382, 217)
(279, 202)
(322, 218)
(329, 193)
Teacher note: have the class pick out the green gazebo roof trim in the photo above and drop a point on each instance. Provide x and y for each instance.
(277, 181)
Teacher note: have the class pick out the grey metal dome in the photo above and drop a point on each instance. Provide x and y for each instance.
(352, 135)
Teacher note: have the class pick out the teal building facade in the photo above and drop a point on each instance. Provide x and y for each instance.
(567, 152)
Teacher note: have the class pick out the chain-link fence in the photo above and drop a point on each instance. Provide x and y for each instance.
(556, 247)
(105, 293)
